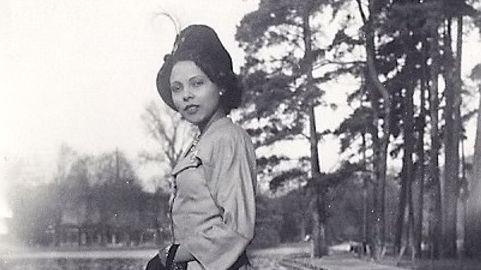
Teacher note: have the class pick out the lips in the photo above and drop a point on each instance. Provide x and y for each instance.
(191, 108)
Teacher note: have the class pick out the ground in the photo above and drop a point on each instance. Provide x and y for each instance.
(289, 256)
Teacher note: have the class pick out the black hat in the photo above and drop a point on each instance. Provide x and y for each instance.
(200, 44)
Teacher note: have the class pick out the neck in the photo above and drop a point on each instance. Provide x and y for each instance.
(216, 116)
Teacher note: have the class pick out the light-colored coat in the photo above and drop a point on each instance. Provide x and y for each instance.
(213, 209)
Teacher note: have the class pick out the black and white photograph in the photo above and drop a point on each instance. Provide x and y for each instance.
(240, 135)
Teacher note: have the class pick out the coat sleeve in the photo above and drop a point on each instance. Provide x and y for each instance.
(229, 169)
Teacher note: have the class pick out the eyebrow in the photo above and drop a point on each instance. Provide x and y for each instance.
(199, 76)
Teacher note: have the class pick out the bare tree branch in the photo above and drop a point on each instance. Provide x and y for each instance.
(167, 129)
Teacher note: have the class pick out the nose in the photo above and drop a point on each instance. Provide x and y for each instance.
(188, 94)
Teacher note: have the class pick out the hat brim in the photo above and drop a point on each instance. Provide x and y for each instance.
(163, 85)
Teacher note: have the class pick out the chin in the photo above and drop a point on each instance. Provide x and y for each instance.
(193, 119)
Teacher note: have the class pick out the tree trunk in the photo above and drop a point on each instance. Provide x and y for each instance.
(381, 119)
(365, 186)
(379, 174)
(473, 226)
(410, 239)
(365, 219)
(302, 228)
(420, 171)
(451, 148)
(459, 130)
(402, 227)
(436, 228)
(408, 166)
(319, 245)
(401, 207)
(79, 235)
(380, 145)
(376, 89)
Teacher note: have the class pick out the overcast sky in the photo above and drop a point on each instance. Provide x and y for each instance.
(81, 72)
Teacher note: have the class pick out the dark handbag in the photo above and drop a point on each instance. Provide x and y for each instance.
(170, 264)
(241, 261)
(156, 263)
(179, 266)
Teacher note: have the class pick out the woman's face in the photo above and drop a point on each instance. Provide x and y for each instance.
(195, 96)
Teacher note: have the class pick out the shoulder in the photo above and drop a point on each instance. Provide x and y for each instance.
(226, 138)
(226, 132)
(230, 132)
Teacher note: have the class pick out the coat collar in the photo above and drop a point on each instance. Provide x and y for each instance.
(189, 159)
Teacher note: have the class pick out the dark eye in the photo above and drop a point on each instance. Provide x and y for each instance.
(175, 88)
(198, 82)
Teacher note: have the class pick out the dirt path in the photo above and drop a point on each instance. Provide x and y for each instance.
(346, 262)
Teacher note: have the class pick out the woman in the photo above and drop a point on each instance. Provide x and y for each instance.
(213, 207)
